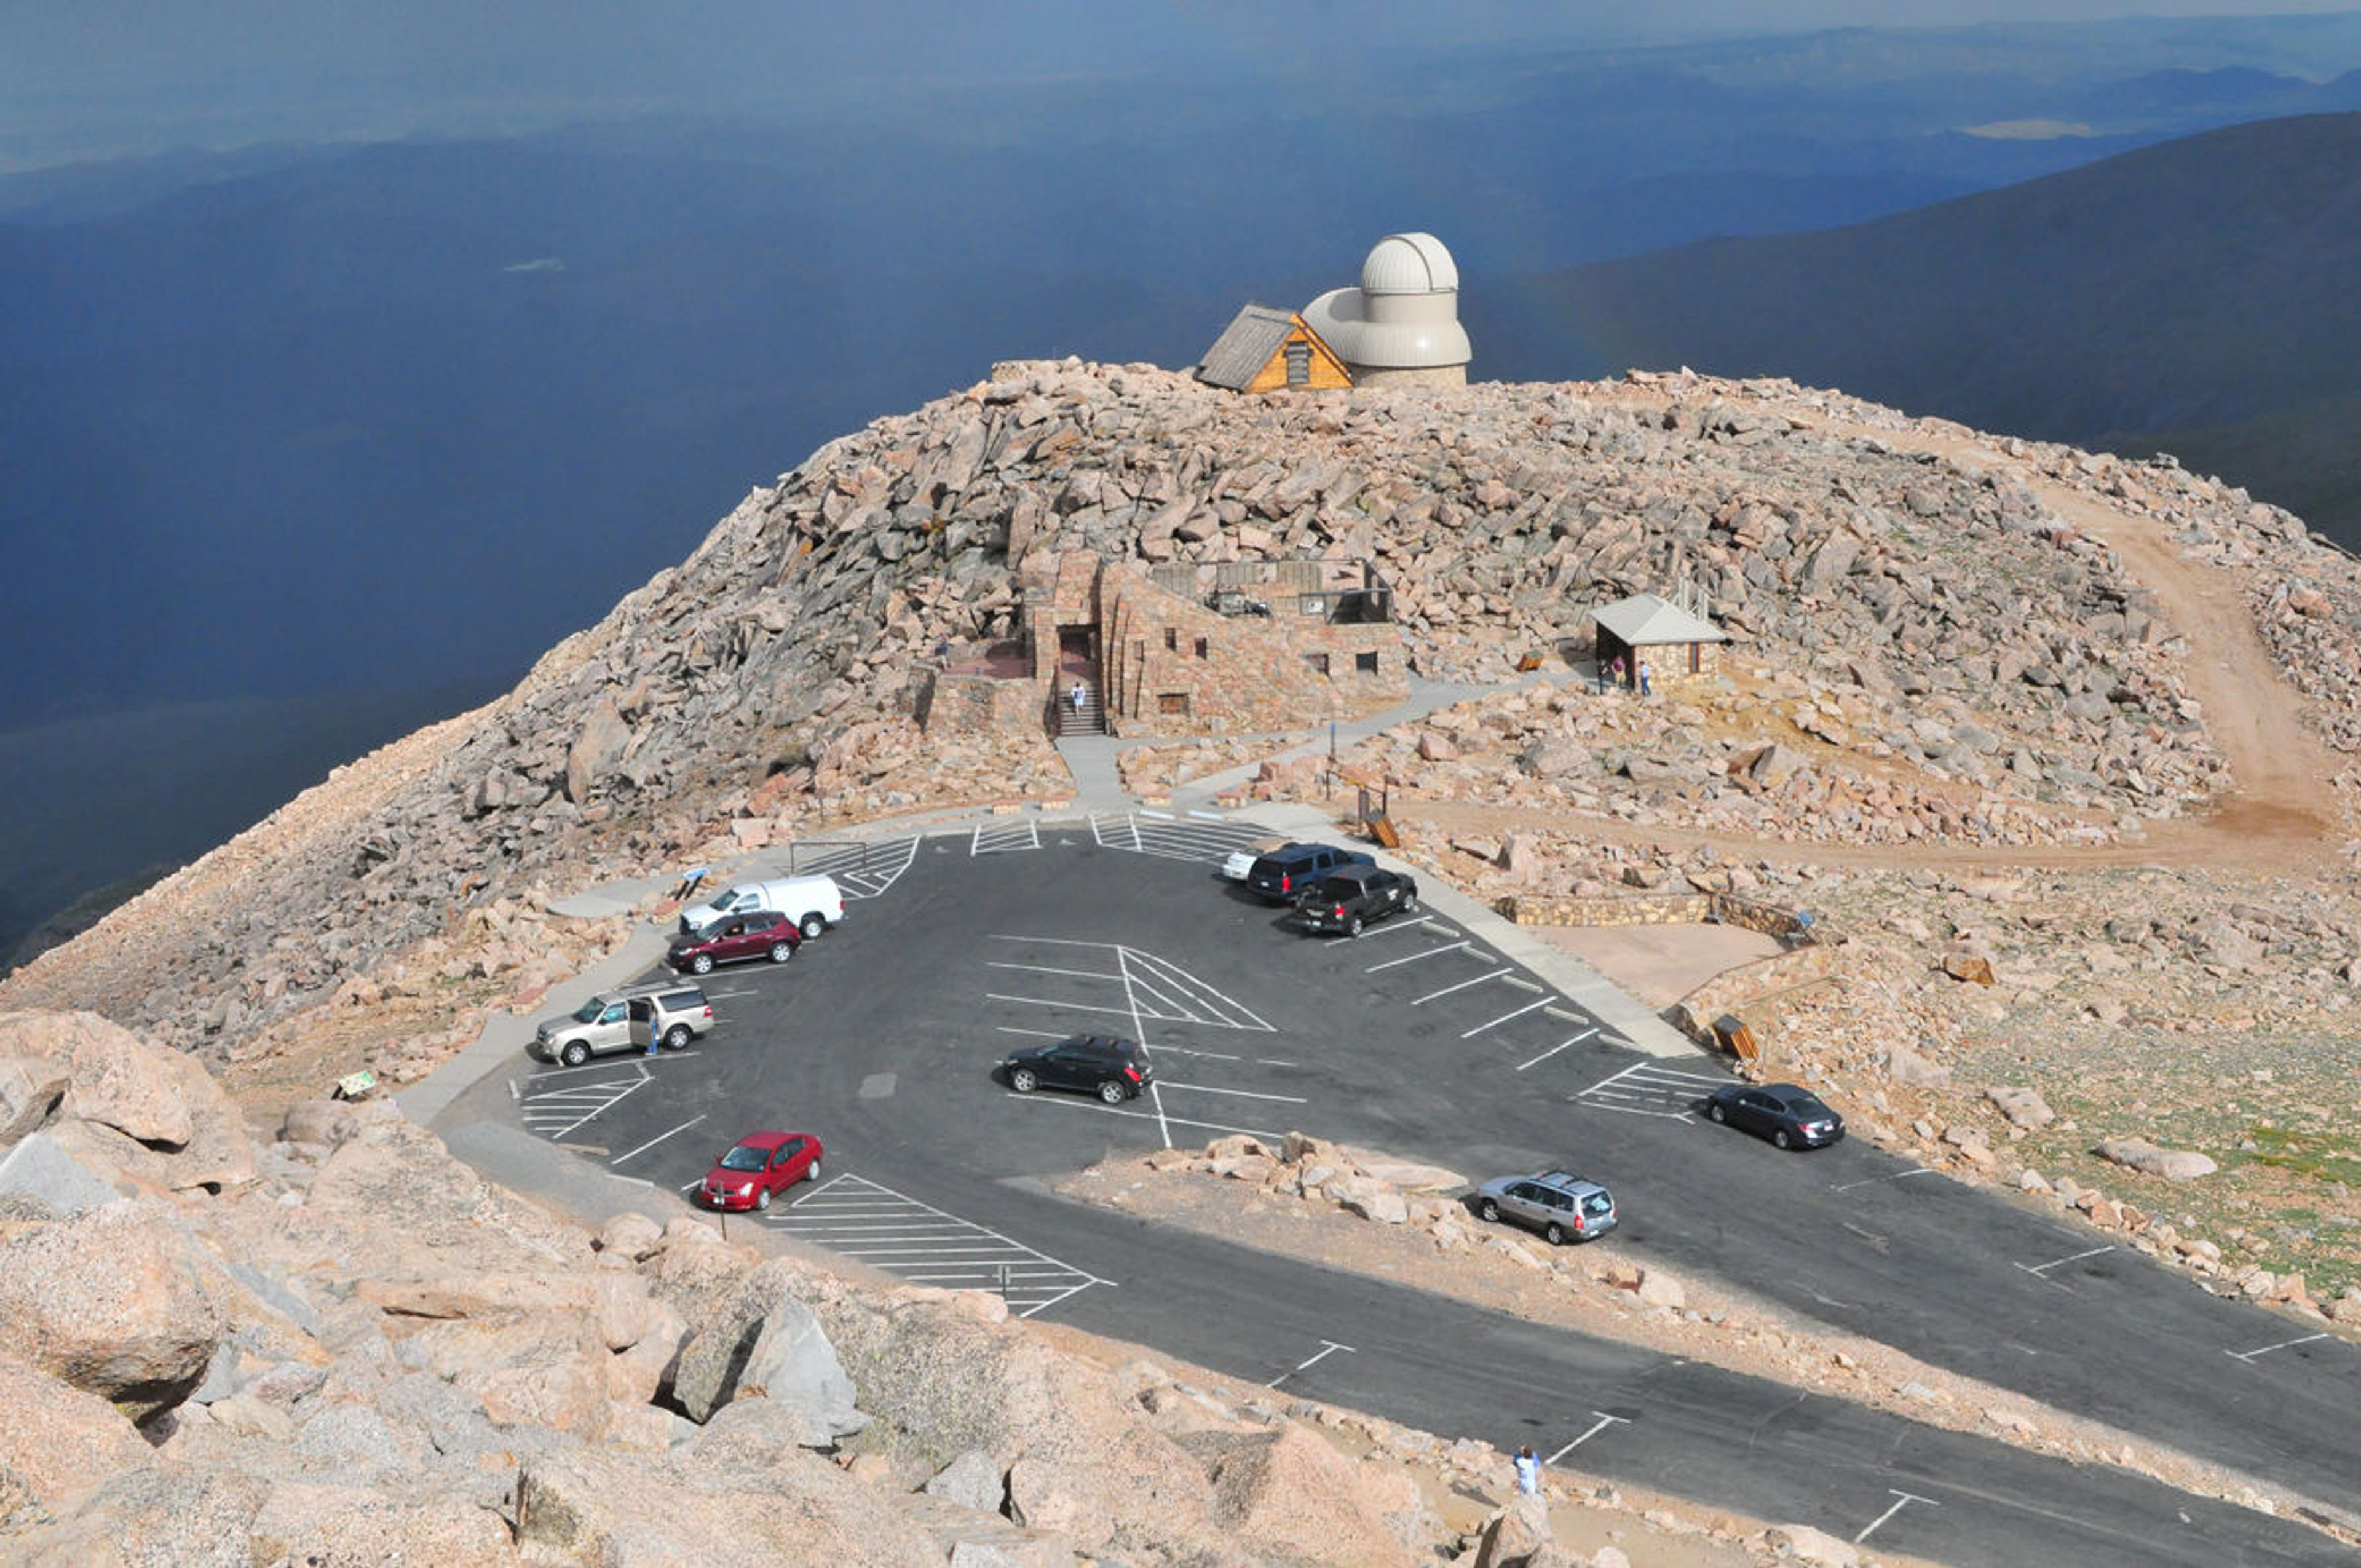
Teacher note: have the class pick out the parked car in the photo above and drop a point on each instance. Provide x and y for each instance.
(1282, 875)
(1240, 863)
(1561, 1206)
(1788, 1113)
(762, 1166)
(1115, 1070)
(813, 903)
(758, 934)
(1356, 897)
(673, 1011)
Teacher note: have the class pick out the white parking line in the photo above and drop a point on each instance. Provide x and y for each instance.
(1643, 1088)
(1383, 929)
(1044, 968)
(1462, 985)
(1600, 1425)
(1243, 1093)
(2248, 1355)
(1004, 840)
(633, 1056)
(1893, 1175)
(2041, 1270)
(1504, 1017)
(1415, 958)
(1899, 1499)
(1328, 1347)
(1570, 1040)
(1078, 1103)
(660, 1137)
(599, 1096)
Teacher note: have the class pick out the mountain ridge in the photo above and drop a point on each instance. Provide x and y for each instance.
(1959, 723)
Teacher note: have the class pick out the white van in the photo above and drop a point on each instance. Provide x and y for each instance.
(813, 903)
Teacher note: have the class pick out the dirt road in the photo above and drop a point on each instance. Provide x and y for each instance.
(2281, 813)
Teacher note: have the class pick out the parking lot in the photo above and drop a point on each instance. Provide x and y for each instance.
(1419, 1038)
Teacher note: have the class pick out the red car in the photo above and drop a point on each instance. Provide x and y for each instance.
(762, 1165)
(757, 934)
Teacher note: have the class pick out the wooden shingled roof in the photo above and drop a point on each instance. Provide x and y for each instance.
(1245, 345)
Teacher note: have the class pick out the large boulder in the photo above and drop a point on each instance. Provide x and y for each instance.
(39, 1171)
(118, 1302)
(32, 1093)
(636, 1510)
(189, 1517)
(1515, 1534)
(541, 1369)
(57, 1442)
(1082, 1457)
(1292, 1496)
(2173, 1164)
(115, 1078)
(760, 1342)
(2023, 1107)
(314, 1521)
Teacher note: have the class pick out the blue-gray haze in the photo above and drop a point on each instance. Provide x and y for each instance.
(358, 348)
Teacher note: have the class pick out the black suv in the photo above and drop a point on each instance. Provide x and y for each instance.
(1282, 876)
(1115, 1070)
(1348, 900)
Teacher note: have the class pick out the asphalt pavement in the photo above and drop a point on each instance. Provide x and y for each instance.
(1450, 1038)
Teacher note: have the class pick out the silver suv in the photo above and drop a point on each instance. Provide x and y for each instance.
(1561, 1206)
(672, 1012)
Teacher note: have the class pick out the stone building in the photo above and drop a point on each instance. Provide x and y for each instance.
(1401, 327)
(1233, 648)
(1677, 646)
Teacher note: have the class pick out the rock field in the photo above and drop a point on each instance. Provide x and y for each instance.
(2061, 745)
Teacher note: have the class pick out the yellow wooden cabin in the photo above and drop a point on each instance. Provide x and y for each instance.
(1267, 350)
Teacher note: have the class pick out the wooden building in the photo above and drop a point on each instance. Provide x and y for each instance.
(1267, 350)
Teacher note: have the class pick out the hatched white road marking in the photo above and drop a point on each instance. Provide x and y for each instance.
(927, 1246)
(553, 1112)
(1644, 1089)
(862, 870)
(988, 839)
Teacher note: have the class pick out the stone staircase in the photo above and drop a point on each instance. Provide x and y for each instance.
(1089, 720)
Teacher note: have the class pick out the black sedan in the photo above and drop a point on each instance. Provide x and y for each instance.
(1115, 1070)
(1788, 1113)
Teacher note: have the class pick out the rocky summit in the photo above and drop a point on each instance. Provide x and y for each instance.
(2059, 742)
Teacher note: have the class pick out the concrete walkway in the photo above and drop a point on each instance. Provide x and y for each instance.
(1098, 785)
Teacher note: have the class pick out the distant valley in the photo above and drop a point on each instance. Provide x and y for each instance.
(296, 422)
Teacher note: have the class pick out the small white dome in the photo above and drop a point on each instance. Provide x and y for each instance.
(1410, 264)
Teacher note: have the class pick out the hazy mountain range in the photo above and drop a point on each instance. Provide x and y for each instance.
(295, 420)
(2195, 297)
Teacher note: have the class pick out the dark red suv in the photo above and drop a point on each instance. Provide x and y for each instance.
(757, 934)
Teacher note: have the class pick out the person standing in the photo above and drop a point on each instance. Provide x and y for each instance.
(1076, 696)
(1644, 687)
(1529, 1471)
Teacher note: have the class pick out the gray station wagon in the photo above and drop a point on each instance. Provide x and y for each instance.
(1561, 1206)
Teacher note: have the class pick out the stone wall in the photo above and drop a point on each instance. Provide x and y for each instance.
(965, 703)
(1735, 988)
(1174, 667)
(1428, 377)
(1811, 957)
(1667, 909)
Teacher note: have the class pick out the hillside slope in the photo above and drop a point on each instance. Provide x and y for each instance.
(2189, 296)
(1972, 717)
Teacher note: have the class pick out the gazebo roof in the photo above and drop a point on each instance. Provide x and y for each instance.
(1643, 620)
